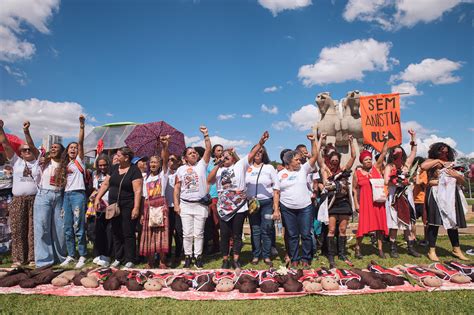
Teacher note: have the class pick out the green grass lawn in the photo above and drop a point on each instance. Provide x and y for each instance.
(459, 302)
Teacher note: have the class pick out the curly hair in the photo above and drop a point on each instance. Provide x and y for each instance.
(62, 169)
(435, 150)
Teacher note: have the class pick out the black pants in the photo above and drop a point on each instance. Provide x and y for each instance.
(123, 231)
(232, 228)
(103, 236)
(176, 232)
(433, 235)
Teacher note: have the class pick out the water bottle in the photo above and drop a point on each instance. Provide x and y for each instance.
(268, 216)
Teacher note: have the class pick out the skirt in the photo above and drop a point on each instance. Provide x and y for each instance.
(433, 212)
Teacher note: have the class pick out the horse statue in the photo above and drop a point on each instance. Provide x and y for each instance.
(330, 120)
(351, 122)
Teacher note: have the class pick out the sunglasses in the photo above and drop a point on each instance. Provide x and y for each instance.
(25, 150)
(173, 160)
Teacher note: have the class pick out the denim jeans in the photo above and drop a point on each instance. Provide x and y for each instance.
(262, 228)
(48, 222)
(74, 206)
(298, 223)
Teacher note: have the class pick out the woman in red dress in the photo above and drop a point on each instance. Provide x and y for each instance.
(372, 215)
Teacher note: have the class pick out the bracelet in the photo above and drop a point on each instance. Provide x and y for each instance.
(413, 143)
(206, 136)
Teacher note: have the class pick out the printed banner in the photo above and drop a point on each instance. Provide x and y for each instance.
(381, 114)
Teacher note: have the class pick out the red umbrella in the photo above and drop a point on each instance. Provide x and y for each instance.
(144, 140)
(15, 142)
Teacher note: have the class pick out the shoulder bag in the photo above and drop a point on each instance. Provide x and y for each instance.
(113, 210)
(254, 204)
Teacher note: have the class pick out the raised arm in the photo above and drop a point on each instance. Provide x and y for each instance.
(353, 154)
(314, 150)
(412, 155)
(321, 142)
(80, 140)
(207, 142)
(5, 143)
(165, 154)
(211, 178)
(379, 162)
(259, 145)
(29, 139)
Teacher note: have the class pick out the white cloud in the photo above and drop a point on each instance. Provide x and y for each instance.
(109, 114)
(46, 117)
(423, 144)
(289, 37)
(395, 14)
(406, 87)
(271, 89)
(269, 109)
(19, 75)
(276, 6)
(247, 116)
(227, 143)
(305, 117)
(280, 125)
(420, 130)
(226, 116)
(336, 64)
(436, 71)
(14, 15)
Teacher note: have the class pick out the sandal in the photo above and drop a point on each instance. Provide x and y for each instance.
(255, 261)
(15, 265)
(268, 262)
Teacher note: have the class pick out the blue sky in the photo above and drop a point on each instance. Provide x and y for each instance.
(193, 62)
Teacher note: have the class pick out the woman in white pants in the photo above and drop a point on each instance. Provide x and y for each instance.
(190, 194)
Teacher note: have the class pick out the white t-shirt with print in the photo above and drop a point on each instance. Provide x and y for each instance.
(75, 179)
(294, 192)
(169, 190)
(193, 180)
(267, 182)
(97, 181)
(153, 178)
(48, 178)
(26, 176)
(6, 176)
(233, 178)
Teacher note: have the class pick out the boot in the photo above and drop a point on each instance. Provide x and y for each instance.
(432, 254)
(331, 251)
(458, 253)
(411, 249)
(393, 249)
(342, 247)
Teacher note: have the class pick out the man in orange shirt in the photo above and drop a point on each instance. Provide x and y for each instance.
(421, 180)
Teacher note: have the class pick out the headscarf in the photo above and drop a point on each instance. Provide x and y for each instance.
(364, 154)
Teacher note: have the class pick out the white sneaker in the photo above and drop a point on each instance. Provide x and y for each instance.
(129, 265)
(81, 263)
(103, 263)
(96, 260)
(67, 261)
(115, 264)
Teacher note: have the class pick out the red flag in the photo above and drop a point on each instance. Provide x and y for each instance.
(100, 147)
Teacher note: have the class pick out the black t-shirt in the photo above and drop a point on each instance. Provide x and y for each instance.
(126, 193)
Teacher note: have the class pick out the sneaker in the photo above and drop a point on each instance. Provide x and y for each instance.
(15, 265)
(115, 264)
(129, 265)
(274, 251)
(187, 262)
(199, 264)
(81, 262)
(32, 264)
(96, 260)
(103, 263)
(67, 261)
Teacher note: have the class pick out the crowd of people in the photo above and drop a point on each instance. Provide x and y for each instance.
(136, 208)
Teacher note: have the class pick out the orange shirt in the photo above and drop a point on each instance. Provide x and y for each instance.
(419, 190)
